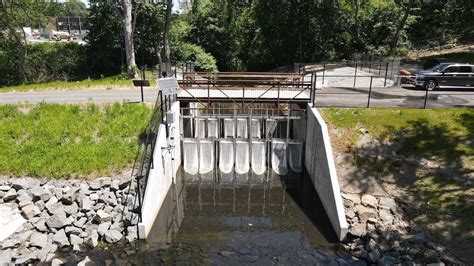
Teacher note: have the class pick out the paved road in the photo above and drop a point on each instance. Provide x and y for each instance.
(345, 97)
(83, 96)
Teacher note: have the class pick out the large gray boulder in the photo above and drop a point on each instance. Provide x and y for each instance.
(59, 220)
(99, 183)
(102, 217)
(387, 203)
(24, 183)
(24, 195)
(10, 195)
(61, 239)
(40, 194)
(27, 257)
(93, 239)
(75, 240)
(369, 201)
(113, 236)
(30, 211)
(38, 240)
(365, 213)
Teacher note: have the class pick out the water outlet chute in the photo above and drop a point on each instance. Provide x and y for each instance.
(259, 159)
(226, 156)
(242, 162)
(278, 151)
(191, 160)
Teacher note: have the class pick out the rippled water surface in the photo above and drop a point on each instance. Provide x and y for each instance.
(231, 219)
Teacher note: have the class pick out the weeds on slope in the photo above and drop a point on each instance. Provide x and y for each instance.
(62, 141)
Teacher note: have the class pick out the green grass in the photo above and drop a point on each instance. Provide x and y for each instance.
(63, 141)
(458, 57)
(104, 83)
(412, 136)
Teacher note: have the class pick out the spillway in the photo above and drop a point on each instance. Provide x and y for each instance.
(229, 128)
(242, 163)
(255, 129)
(212, 128)
(278, 155)
(259, 160)
(200, 128)
(241, 155)
(242, 131)
(295, 155)
(206, 156)
(190, 154)
(226, 155)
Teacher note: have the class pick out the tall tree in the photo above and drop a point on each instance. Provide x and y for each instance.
(406, 9)
(166, 36)
(124, 9)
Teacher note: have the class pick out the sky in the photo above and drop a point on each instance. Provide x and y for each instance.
(176, 7)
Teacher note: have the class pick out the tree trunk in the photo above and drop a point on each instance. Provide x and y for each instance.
(158, 55)
(394, 43)
(166, 44)
(21, 52)
(128, 35)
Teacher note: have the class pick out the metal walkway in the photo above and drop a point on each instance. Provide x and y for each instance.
(245, 88)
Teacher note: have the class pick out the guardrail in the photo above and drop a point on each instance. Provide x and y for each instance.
(403, 93)
(161, 106)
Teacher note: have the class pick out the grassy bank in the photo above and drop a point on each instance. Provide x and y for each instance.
(103, 83)
(52, 140)
(427, 154)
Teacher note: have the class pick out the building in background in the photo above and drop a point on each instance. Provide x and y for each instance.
(72, 25)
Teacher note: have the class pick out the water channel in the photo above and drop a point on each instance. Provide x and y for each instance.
(236, 219)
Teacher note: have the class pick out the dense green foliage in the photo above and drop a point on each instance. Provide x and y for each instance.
(262, 34)
(253, 35)
(52, 140)
(106, 37)
(44, 62)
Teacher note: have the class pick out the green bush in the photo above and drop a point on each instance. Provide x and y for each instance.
(56, 61)
(190, 52)
(44, 62)
(9, 68)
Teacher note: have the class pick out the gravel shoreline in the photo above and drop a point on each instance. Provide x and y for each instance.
(67, 216)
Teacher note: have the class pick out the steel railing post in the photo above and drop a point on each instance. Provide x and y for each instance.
(314, 90)
(370, 92)
(426, 98)
(355, 75)
(324, 70)
(386, 72)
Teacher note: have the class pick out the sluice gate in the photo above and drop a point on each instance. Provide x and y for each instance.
(230, 136)
(243, 143)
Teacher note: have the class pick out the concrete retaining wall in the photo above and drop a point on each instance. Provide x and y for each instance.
(319, 163)
(165, 164)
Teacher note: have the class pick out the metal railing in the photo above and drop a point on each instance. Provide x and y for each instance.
(245, 88)
(162, 105)
(402, 92)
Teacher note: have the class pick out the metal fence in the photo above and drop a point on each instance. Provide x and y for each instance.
(375, 93)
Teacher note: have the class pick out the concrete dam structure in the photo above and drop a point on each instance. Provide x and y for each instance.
(247, 152)
(227, 146)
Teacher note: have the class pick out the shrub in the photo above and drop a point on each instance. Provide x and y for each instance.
(190, 52)
(44, 62)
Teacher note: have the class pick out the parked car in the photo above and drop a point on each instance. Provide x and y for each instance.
(445, 76)
(432, 62)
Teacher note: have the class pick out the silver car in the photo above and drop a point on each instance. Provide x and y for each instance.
(446, 76)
